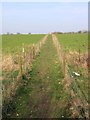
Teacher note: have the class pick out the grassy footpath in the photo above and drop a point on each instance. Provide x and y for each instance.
(44, 96)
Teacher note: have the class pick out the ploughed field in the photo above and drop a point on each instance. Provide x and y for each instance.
(45, 76)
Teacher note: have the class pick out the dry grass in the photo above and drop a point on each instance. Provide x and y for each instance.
(77, 59)
(8, 68)
(79, 63)
(13, 64)
(8, 63)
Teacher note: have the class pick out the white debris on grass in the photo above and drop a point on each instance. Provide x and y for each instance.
(72, 76)
(23, 50)
(17, 114)
(77, 74)
(59, 82)
(47, 77)
(71, 108)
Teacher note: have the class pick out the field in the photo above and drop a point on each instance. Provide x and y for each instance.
(14, 43)
(12, 50)
(75, 49)
(74, 42)
(53, 76)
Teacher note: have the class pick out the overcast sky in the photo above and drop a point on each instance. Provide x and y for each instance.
(44, 17)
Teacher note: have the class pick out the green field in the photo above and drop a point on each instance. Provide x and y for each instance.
(14, 43)
(74, 42)
(45, 94)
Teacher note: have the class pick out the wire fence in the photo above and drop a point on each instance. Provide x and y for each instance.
(23, 66)
(77, 96)
(26, 59)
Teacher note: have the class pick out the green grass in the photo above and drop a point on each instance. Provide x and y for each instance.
(74, 42)
(11, 47)
(44, 95)
(71, 43)
(14, 43)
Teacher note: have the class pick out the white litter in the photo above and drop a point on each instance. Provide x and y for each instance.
(47, 77)
(59, 82)
(23, 50)
(77, 74)
(72, 76)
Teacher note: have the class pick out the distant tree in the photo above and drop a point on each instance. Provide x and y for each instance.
(80, 31)
(18, 32)
(57, 32)
(85, 31)
(8, 33)
(29, 33)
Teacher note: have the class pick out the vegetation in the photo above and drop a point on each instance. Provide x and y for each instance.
(14, 43)
(43, 92)
(74, 42)
(11, 60)
(75, 48)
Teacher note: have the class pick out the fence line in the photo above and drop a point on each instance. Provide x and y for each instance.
(78, 98)
(24, 66)
(26, 62)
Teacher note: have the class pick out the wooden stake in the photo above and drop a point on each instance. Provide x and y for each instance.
(20, 67)
(64, 64)
(79, 56)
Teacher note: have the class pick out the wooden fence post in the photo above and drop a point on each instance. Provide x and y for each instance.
(30, 58)
(38, 49)
(64, 64)
(79, 56)
(40, 45)
(33, 51)
(20, 67)
(23, 51)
